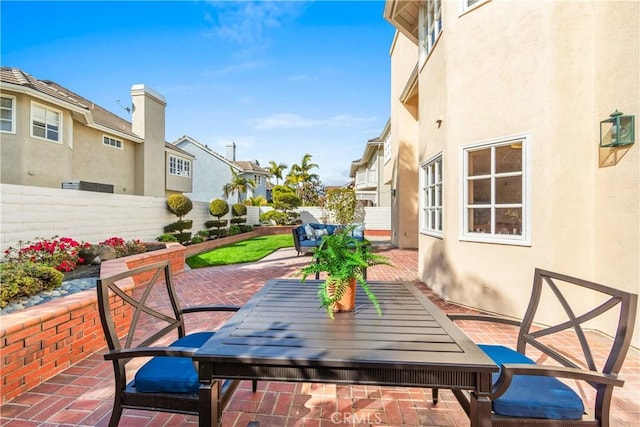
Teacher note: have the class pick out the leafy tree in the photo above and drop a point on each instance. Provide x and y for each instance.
(238, 185)
(312, 193)
(286, 200)
(342, 203)
(275, 170)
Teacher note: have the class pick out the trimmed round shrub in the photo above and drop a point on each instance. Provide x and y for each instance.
(216, 223)
(238, 220)
(178, 226)
(234, 229)
(179, 205)
(183, 237)
(218, 208)
(238, 209)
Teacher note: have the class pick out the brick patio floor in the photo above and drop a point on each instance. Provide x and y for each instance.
(82, 395)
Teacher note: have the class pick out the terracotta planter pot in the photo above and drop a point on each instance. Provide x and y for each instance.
(348, 300)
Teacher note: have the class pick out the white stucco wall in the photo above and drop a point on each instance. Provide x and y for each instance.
(27, 213)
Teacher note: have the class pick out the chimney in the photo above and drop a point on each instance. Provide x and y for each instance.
(231, 152)
(148, 122)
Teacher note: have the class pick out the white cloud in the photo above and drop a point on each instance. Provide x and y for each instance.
(247, 22)
(291, 120)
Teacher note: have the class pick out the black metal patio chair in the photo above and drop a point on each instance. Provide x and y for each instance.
(146, 321)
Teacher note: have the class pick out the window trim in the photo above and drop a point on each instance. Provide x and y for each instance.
(13, 114)
(423, 226)
(506, 239)
(465, 7)
(425, 47)
(184, 161)
(60, 123)
(120, 147)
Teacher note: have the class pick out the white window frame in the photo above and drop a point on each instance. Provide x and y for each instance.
(427, 187)
(387, 148)
(429, 27)
(524, 239)
(179, 166)
(13, 114)
(466, 7)
(113, 142)
(47, 110)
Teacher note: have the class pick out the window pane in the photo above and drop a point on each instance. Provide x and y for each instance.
(480, 191)
(6, 102)
(509, 190)
(509, 158)
(480, 162)
(52, 133)
(509, 221)
(38, 129)
(5, 114)
(5, 125)
(479, 220)
(39, 115)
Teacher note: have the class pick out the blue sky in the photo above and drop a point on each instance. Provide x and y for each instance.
(280, 79)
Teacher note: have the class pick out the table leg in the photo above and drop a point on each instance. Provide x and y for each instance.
(480, 413)
(480, 403)
(209, 405)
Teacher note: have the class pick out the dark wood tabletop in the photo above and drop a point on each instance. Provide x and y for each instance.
(281, 334)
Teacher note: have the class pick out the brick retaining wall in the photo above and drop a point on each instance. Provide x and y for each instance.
(44, 340)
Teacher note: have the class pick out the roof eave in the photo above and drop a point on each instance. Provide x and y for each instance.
(403, 15)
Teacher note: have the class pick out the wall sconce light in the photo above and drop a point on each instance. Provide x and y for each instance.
(393, 192)
(617, 130)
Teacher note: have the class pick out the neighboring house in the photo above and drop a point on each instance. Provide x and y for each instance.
(368, 173)
(214, 171)
(495, 144)
(53, 137)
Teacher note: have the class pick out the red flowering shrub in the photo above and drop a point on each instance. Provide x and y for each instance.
(125, 248)
(60, 253)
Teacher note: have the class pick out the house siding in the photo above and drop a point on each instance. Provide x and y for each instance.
(551, 71)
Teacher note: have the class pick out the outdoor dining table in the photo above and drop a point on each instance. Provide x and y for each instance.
(280, 334)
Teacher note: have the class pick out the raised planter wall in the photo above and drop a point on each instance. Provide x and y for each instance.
(44, 340)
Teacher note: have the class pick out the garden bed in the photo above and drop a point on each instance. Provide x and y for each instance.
(42, 341)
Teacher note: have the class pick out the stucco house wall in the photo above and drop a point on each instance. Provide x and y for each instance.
(403, 168)
(213, 171)
(551, 74)
(134, 164)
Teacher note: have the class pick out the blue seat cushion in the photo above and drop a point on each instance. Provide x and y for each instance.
(172, 374)
(533, 396)
(309, 243)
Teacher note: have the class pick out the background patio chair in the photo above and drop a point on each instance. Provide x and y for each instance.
(526, 392)
(146, 321)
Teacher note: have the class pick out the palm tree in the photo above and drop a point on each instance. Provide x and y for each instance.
(275, 170)
(238, 184)
(300, 174)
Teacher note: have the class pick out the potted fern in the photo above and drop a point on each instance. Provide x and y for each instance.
(344, 259)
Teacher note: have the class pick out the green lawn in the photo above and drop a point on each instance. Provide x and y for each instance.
(245, 251)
